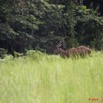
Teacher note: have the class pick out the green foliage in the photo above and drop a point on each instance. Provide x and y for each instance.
(3, 53)
(89, 28)
(34, 54)
(38, 24)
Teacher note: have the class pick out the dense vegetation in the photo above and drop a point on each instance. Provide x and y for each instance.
(41, 24)
(39, 78)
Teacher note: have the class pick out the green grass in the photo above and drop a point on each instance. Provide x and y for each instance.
(40, 78)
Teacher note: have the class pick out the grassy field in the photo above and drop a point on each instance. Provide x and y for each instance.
(41, 78)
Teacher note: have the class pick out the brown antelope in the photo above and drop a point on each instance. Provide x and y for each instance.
(84, 50)
(81, 51)
(72, 52)
(60, 51)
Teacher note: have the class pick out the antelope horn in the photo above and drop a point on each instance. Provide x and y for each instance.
(58, 45)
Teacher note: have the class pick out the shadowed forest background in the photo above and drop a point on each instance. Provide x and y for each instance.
(41, 24)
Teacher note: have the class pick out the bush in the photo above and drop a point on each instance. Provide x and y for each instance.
(89, 28)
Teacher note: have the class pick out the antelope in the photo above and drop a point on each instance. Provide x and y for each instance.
(72, 52)
(84, 50)
(60, 51)
(81, 51)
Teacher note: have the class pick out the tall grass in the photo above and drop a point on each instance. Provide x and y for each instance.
(41, 78)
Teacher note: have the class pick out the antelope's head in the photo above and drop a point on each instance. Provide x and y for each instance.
(57, 48)
(60, 51)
